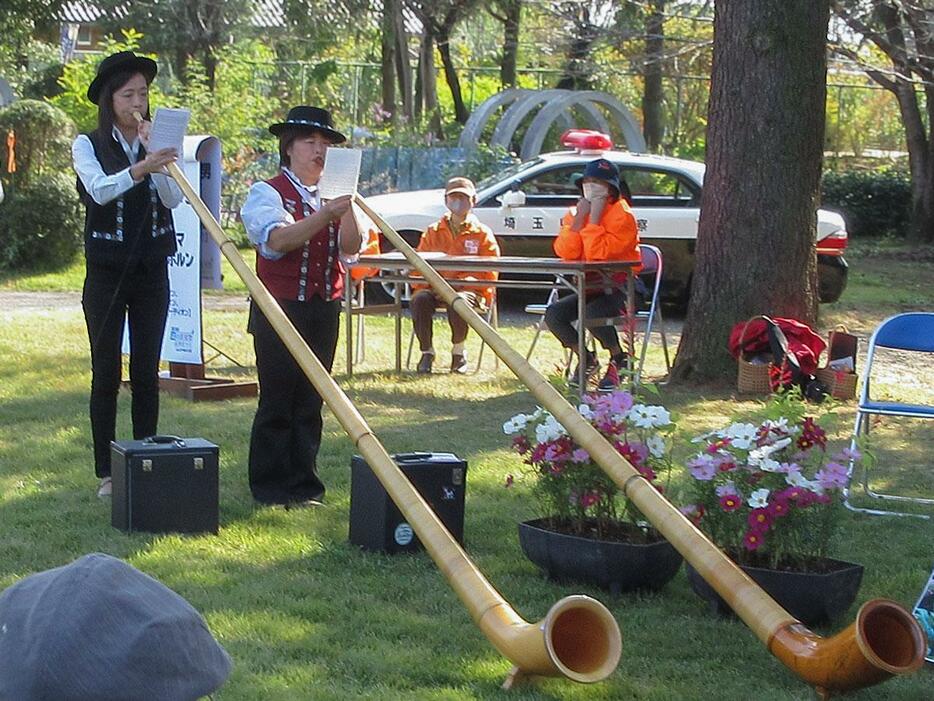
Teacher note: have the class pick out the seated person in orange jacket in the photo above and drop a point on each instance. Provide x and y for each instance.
(600, 227)
(457, 233)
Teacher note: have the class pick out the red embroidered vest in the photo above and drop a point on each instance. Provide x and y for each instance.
(312, 269)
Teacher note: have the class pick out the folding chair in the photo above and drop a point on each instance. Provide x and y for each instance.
(911, 332)
(491, 317)
(540, 310)
(652, 265)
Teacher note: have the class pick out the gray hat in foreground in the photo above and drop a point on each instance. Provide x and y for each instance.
(99, 629)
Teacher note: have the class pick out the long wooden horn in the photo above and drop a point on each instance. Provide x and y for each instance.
(578, 638)
(884, 640)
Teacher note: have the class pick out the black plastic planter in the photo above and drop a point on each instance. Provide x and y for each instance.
(810, 597)
(611, 565)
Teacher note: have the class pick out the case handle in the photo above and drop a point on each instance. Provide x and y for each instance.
(160, 439)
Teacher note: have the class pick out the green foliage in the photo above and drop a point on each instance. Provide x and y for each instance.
(43, 141)
(40, 224)
(78, 74)
(482, 162)
(875, 203)
(234, 112)
(29, 72)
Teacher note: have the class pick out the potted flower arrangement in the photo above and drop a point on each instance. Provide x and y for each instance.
(769, 493)
(589, 532)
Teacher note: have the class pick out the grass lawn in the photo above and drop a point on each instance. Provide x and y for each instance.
(305, 615)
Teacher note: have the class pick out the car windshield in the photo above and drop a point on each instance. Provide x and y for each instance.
(510, 172)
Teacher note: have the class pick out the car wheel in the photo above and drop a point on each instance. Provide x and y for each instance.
(831, 278)
(379, 292)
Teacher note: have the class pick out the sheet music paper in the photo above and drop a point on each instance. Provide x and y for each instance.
(168, 130)
(341, 172)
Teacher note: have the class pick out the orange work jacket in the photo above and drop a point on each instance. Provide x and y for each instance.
(473, 239)
(614, 237)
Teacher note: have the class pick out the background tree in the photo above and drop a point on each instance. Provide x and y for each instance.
(653, 125)
(20, 19)
(439, 18)
(755, 243)
(182, 29)
(509, 13)
(903, 30)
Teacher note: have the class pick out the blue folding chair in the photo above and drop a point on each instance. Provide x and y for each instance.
(912, 332)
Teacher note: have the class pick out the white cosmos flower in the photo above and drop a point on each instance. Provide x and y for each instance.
(796, 479)
(759, 499)
(656, 446)
(549, 430)
(585, 411)
(509, 428)
(742, 436)
(769, 465)
(649, 416)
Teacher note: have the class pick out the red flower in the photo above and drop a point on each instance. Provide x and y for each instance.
(779, 507)
(759, 520)
(811, 435)
(588, 499)
(730, 502)
(753, 540)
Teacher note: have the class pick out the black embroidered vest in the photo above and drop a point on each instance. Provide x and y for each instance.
(136, 225)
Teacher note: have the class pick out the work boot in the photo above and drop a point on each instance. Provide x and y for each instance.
(593, 365)
(458, 364)
(424, 364)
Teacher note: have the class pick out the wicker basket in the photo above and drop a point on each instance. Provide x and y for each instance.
(840, 385)
(750, 377)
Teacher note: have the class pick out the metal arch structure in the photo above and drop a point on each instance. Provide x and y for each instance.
(538, 129)
(558, 105)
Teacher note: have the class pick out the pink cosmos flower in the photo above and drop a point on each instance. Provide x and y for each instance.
(730, 502)
(702, 468)
(753, 540)
(759, 520)
(580, 455)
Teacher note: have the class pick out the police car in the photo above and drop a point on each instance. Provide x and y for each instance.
(524, 203)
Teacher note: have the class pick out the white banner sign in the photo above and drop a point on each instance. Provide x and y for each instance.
(197, 260)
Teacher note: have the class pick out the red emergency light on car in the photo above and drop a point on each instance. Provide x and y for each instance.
(586, 140)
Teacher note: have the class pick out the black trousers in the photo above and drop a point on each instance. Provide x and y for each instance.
(141, 295)
(560, 314)
(287, 427)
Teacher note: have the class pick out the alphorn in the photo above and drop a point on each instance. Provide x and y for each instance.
(883, 641)
(578, 638)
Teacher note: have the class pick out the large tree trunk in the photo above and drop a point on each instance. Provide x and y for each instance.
(755, 243)
(922, 219)
(387, 56)
(653, 126)
(507, 71)
(461, 113)
(426, 98)
(403, 69)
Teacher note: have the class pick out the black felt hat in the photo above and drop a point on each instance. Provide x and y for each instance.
(601, 169)
(122, 61)
(308, 118)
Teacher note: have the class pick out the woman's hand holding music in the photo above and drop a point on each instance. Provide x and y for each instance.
(154, 162)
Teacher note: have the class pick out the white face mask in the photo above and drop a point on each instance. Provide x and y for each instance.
(457, 205)
(595, 191)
